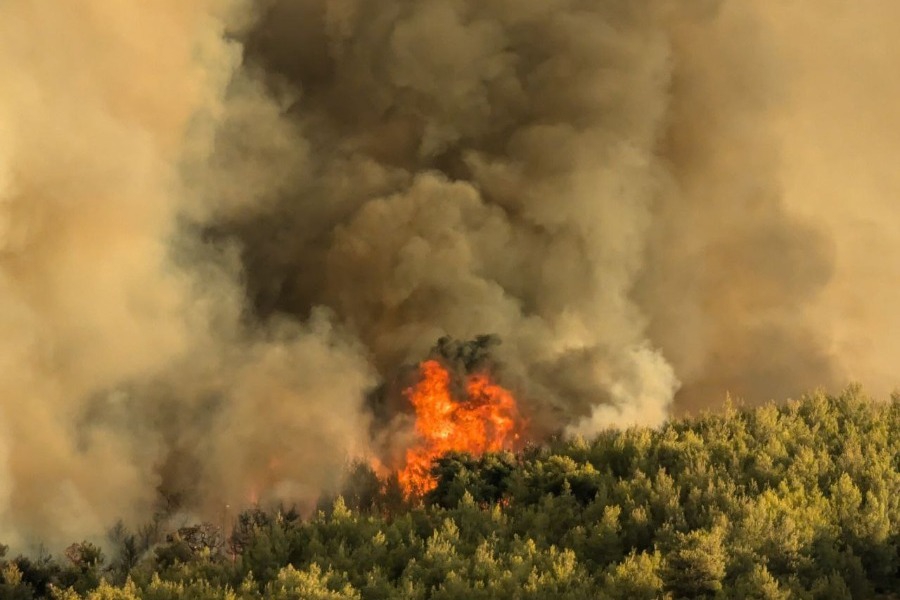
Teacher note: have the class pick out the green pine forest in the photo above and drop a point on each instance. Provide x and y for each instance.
(800, 500)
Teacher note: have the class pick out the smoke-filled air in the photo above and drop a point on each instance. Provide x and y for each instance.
(232, 232)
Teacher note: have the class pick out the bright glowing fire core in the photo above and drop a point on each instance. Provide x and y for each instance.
(486, 420)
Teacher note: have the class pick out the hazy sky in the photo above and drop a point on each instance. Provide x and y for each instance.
(840, 142)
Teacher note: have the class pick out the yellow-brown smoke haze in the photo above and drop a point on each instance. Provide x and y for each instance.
(222, 223)
(125, 366)
(840, 142)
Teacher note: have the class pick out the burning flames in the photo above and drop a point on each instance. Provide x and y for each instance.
(486, 420)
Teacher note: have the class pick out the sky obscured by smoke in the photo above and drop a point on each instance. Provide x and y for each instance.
(223, 224)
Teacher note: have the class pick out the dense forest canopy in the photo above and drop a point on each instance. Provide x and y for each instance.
(793, 501)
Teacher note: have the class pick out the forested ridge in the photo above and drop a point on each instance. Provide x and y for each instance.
(800, 500)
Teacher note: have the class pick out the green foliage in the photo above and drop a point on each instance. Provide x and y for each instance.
(695, 564)
(759, 584)
(637, 577)
(309, 584)
(793, 501)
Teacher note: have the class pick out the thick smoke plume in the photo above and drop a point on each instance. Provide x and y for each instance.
(224, 224)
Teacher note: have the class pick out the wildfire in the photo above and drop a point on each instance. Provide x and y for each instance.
(486, 420)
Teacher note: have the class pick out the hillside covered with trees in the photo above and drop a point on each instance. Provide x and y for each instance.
(793, 501)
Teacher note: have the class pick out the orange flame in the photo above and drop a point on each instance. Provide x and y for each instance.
(486, 421)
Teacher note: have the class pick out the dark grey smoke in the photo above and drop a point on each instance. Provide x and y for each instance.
(551, 173)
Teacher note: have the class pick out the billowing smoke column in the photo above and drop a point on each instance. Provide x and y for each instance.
(224, 224)
(132, 368)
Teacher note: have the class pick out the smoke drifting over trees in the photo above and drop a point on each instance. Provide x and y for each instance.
(222, 224)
